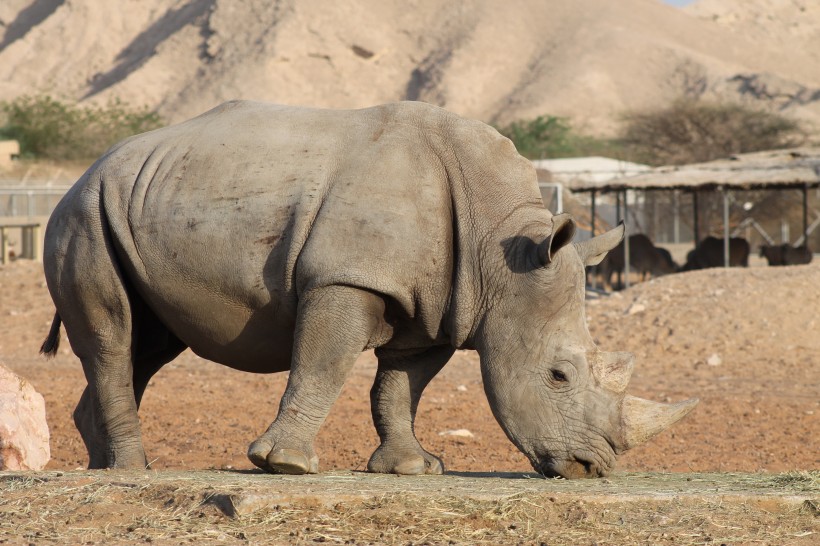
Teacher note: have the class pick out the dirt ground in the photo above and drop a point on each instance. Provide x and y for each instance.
(744, 341)
(343, 507)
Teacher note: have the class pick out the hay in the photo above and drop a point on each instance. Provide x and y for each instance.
(103, 507)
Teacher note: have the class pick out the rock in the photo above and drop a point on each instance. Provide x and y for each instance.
(636, 308)
(461, 432)
(23, 428)
(714, 360)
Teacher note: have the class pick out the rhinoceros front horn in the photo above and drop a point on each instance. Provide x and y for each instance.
(642, 419)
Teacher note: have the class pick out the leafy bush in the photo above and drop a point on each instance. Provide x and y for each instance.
(549, 137)
(690, 131)
(50, 129)
(544, 136)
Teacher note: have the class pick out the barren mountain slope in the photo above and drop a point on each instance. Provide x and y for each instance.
(588, 59)
(783, 24)
(788, 29)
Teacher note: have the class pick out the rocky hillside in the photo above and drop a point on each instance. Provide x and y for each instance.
(497, 61)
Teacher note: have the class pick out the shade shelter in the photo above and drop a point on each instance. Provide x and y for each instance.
(789, 169)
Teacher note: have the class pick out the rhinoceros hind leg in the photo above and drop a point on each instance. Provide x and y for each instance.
(334, 325)
(394, 399)
(93, 302)
(155, 348)
(86, 420)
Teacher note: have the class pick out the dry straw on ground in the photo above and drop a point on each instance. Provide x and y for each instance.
(139, 507)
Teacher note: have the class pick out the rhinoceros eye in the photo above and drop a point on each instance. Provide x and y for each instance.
(558, 376)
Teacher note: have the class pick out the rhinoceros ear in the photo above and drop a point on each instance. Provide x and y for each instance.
(563, 230)
(593, 251)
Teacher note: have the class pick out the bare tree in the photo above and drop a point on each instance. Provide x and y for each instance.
(691, 131)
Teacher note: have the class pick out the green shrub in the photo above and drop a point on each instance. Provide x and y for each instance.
(51, 129)
(549, 137)
(544, 136)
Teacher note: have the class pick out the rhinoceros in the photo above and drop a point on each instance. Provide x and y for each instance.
(270, 238)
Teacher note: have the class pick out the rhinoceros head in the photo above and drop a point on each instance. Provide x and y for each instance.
(559, 399)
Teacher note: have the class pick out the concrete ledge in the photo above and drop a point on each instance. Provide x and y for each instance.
(461, 507)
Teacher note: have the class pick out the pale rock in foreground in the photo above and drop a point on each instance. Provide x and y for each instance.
(23, 428)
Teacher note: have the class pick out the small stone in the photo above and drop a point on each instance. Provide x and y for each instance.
(714, 360)
(24, 433)
(461, 388)
(636, 308)
(461, 433)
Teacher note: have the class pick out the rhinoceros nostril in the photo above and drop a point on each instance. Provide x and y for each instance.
(590, 468)
(546, 467)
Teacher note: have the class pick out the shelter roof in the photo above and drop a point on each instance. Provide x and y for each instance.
(593, 169)
(776, 169)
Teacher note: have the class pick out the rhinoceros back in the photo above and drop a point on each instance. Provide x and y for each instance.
(222, 221)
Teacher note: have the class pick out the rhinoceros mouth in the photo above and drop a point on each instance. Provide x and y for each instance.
(578, 465)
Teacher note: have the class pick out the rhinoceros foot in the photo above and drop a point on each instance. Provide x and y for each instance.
(405, 460)
(286, 460)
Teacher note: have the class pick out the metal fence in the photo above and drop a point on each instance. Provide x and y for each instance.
(24, 209)
(29, 201)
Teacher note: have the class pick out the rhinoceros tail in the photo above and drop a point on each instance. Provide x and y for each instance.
(52, 342)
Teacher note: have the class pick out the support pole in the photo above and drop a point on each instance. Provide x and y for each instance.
(805, 214)
(676, 216)
(592, 215)
(626, 240)
(592, 234)
(559, 198)
(618, 221)
(725, 227)
(695, 230)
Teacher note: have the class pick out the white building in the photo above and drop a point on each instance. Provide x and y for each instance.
(556, 174)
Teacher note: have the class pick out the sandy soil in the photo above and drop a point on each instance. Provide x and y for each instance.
(744, 341)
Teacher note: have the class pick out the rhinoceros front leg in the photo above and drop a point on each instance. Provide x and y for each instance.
(334, 324)
(394, 399)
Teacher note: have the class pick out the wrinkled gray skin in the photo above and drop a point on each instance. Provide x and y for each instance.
(271, 238)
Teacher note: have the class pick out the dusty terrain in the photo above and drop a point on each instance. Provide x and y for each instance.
(746, 342)
(589, 60)
(230, 507)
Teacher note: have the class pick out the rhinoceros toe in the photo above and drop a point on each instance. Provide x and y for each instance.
(283, 460)
(290, 461)
(404, 461)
